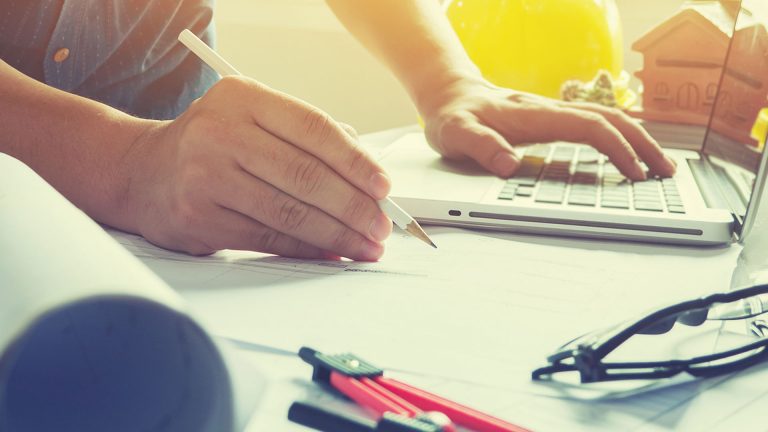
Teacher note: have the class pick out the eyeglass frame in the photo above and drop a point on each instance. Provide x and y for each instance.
(587, 359)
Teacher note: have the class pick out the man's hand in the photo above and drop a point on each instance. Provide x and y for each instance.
(466, 116)
(247, 167)
(474, 119)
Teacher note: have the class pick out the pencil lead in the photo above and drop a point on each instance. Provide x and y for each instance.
(415, 230)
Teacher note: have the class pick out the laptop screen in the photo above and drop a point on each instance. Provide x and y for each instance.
(736, 132)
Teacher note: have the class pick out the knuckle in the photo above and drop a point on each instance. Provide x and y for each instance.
(231, 83)
(592, 128)
(358, 160)
(452, 124)
(356, 208)
(351, 131)
(595, 119)
(317, 125)
(266, 240)
(615, 114)
(291, 215)
(599, 121)
(308, 174)
(624, 118)
(233, 86)
(345, 241)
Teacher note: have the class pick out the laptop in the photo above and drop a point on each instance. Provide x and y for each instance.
(572, 190)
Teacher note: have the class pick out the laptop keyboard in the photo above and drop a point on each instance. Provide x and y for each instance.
(581, 176)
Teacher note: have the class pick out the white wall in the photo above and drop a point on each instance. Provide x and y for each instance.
(299, 47)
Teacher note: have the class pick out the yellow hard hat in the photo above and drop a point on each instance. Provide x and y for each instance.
(537, 45)
(760, 128)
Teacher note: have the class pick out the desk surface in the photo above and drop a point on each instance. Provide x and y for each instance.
(286, 313)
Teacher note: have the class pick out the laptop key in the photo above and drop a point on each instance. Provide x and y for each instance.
(619, 204)
(552, 184)
(523, 180)
(583, 200)
(524, 191)
(586, 190)
(550, 197)
(563, 153)
(538, 150)
(586, 171)
(676, 209)
(615, 195)
(677, 202)
(644, 193)
(648, 206)
(588, 155)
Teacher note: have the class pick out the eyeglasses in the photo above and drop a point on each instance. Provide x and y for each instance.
(720, 333)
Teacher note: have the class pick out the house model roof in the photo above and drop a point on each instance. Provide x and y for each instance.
(712, 17)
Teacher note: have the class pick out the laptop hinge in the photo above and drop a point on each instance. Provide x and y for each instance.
(716, 188)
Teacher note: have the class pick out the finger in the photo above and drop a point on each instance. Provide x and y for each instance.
(352, 132)
(645, 146)
(542, 123)
(463, 136)
(232, 230)
(315, 132)
(308, 179)
(281, 212)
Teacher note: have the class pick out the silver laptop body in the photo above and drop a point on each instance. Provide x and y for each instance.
(570, 189)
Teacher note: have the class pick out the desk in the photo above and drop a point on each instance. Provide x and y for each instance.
(737, 399)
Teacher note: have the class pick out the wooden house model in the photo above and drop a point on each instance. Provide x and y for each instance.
(683, 61)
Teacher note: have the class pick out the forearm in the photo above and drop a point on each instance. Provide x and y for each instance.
(76, 144)
(414, 38)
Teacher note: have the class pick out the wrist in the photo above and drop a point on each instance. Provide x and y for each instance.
(440, 92)
(129, 197)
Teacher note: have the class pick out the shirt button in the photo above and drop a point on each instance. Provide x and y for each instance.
(61, 55)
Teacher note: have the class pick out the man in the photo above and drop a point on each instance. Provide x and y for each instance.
(245, 166)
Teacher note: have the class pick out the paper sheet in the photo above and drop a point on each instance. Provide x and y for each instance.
(484, 307)
(474, 281)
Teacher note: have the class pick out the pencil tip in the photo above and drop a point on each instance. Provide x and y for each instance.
(415, 230)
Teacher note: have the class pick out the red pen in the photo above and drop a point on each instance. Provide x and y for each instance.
(368, 387)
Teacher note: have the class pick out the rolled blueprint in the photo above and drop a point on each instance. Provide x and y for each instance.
(90, 339)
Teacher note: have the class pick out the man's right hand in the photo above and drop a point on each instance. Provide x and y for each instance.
(247, 167)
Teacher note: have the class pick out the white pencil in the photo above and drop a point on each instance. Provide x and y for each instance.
(217, 63)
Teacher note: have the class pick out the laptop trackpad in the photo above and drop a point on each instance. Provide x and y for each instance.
(417, 171)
